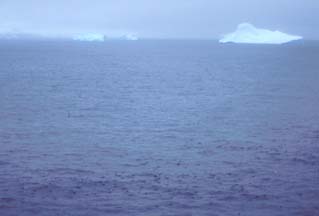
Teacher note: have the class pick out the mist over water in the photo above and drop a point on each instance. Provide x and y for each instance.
(158, 128)
(209, 19)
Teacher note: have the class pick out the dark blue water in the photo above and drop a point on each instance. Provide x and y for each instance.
(159, 128)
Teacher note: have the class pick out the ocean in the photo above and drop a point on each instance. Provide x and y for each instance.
(159, 127)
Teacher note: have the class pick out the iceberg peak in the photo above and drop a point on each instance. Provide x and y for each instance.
(248, 33)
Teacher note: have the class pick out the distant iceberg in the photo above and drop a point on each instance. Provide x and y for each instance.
(90, 37)
(247, 33)
(21, 36)
(9, 36)
(131, 37)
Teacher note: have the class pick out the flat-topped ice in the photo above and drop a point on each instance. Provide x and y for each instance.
(89, 37)
(247, 33)
(101, 37)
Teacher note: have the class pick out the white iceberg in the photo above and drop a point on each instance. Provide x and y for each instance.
(89, 37)
(247, 33)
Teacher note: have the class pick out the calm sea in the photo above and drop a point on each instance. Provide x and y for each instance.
(159, 128)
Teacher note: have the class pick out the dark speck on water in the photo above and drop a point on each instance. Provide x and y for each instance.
(159, 128)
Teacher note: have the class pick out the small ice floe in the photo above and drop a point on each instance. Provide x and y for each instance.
(247, 33)
(90, 37)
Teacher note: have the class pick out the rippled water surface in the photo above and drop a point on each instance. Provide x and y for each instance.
(159, 128)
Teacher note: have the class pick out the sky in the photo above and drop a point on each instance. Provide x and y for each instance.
(158, 18)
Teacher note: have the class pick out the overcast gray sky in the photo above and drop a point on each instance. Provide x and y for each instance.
(158, 18)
